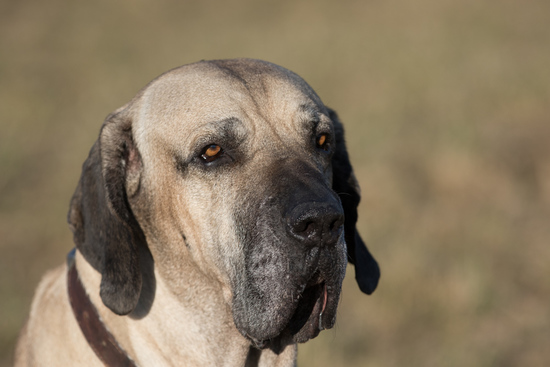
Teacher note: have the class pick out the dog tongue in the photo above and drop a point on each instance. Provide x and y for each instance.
(324, 295)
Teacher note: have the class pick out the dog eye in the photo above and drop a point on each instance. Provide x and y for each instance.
(211, 152)
(322, 141)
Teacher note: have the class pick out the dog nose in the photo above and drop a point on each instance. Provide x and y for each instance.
(316, 224)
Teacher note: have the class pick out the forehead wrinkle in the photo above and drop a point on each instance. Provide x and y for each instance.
(178, 106)
(263, 95)
(240, 78)
(283, 138)
(268, 84)
(211, 132)
(259, 94)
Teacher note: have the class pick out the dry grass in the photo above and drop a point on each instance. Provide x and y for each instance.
(447, 108)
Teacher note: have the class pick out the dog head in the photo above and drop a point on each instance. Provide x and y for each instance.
(237, 169)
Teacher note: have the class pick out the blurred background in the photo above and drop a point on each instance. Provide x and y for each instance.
(447, 109)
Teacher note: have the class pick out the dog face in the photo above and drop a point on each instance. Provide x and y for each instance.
(235, 168)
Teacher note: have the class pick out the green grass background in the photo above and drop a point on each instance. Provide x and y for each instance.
(447, 109)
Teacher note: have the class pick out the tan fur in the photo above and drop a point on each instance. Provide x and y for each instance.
(52, 337)
(190, 321)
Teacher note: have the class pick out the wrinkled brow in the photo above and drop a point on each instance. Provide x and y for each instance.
(217, 132)
(226, 125)
(310, 112)
(313, 116)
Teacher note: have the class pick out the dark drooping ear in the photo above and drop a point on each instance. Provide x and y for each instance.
(104, 227)
(367, 272)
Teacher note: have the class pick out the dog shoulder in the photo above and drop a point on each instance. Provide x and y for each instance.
(51, 336)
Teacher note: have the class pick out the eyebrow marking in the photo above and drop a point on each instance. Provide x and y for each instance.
(229, 123)
(219, 132)
(312, 115)
(311, 110)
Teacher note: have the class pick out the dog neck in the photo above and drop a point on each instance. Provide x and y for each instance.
(102, 342)
(178, 329)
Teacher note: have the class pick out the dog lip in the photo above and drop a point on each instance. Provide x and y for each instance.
(306, 322)
(313, 312)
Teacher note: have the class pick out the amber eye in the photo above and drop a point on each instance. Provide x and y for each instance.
(322, 141)
(211, 152)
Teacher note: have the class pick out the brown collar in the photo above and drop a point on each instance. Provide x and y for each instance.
(99, 338)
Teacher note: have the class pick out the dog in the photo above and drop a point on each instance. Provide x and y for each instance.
(213, 222)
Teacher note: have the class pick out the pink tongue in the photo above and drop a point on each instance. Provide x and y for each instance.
(324, 299)
(323, 308)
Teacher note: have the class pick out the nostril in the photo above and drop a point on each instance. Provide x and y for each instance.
(316, 224)
(336, 228)
(337, 224)
(302, 224)
(310, 228)
(306, 229)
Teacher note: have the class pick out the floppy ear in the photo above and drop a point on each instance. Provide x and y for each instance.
(344, 183)
(104, 227)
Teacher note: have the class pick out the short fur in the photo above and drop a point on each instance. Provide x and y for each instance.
(222, 263)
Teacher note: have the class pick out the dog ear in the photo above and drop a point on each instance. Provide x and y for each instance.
(344, 183)
(104, 227)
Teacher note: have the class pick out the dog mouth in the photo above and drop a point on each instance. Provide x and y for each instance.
(308, 317)
(288, 294)
(314, 311)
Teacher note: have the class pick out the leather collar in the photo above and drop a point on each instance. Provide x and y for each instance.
(99, 338)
